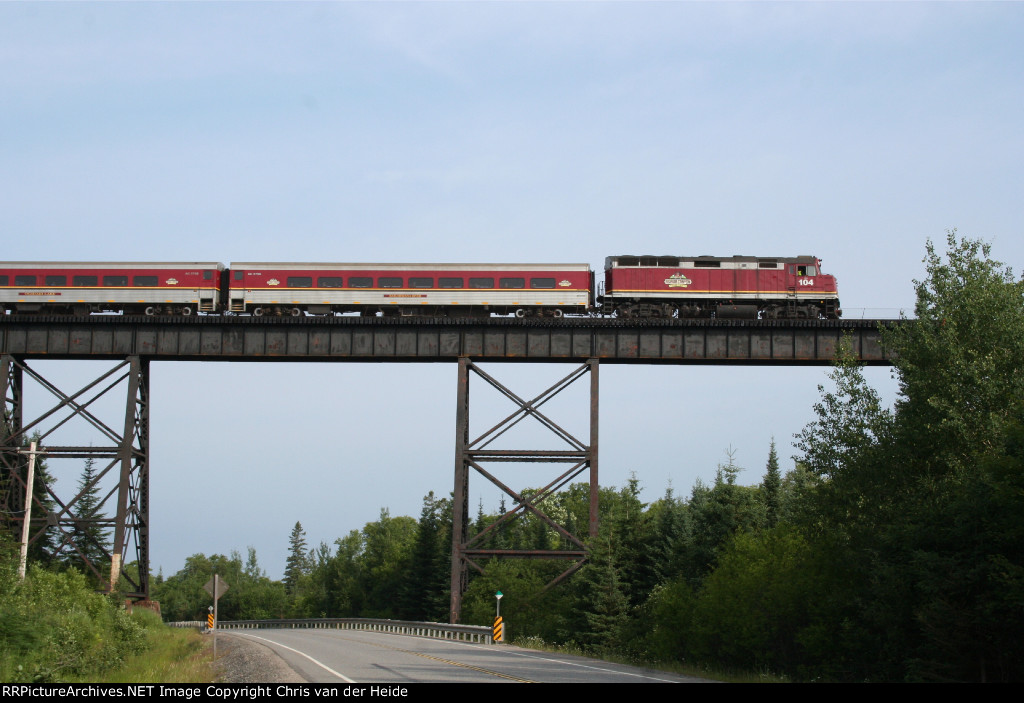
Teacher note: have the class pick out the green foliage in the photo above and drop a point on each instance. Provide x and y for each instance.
(924, 503)
(53, 626)
(771, 487)
(753, 607)
(959, 362)
(250, 595)
(298, 562)
(426, 589)
(88, 543)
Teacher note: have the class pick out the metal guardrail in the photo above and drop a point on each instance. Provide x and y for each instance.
(464, 633)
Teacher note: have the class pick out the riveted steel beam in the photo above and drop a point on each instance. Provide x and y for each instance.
(236, 338)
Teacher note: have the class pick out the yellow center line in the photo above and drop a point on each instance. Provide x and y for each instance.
(455, 663)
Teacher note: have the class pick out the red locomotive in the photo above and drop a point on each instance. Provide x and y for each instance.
(634, 286)
(706, 286)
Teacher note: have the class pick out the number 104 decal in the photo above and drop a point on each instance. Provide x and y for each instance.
(805, 281)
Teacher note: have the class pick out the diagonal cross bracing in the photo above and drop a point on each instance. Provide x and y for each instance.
(127, 450)
(473, 455)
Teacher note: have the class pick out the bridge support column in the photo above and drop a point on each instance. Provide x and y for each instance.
(472, 453)
(62, 529)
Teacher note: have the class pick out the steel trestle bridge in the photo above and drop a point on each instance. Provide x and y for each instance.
(132, 343)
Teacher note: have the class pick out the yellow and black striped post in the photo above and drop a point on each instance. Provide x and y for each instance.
(209, 621)
(498, 634)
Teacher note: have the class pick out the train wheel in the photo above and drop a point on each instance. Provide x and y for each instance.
(257, 312)
(556, 313)
(150, 310)
(186, 311)
(520, 313)
(295, 312)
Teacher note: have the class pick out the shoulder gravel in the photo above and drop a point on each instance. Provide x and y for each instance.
(242, 660)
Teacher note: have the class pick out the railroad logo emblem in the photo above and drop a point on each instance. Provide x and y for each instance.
(564, 283)
(677, 280)
(273, 282)
(172, 281)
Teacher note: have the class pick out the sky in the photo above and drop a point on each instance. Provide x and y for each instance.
(490, 132)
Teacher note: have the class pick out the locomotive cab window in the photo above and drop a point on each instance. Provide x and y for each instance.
(56, 280)
(481, 283)
(24, 280)
(84, 281)
(115, 281)
(421, 282)
(329, 282)
(145, 281)
(300, 281)
(542, 283)
(451, 283)
(511, 283)
(389, 282)
(360, 282)
(806, 271)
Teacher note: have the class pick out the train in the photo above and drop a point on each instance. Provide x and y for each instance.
(634, 286)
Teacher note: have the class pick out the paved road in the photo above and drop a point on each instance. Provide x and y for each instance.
(349, 656)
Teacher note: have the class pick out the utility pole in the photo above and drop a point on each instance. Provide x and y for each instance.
(29, 484)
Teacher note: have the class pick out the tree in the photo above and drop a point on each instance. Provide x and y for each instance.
(922, 503)
(771, 487)
(959, 362)
(88, 540)
(298, 559)
(425, 590)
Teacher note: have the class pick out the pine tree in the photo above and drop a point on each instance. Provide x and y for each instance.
(298, 559)
(771, 486)
(88, 540)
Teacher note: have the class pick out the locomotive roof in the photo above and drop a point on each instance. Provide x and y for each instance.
(671, 260)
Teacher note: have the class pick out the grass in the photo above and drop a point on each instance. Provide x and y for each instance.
(172, 655)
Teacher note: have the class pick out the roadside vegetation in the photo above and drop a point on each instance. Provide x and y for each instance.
(54, 627)
(892, 550)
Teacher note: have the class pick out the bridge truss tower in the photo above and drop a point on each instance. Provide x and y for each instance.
(65, 526)
(471, 452)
